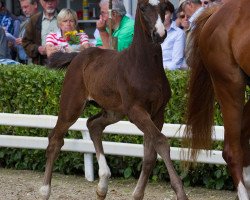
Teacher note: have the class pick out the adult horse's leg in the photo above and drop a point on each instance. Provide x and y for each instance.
(96, 125)
(71, 105)
(230, 88)
(159, 142)
(245, 143)
(149, 159)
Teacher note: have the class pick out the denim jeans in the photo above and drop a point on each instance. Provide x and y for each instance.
(21, 53)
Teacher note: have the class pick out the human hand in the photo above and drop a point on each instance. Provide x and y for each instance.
(50, 49)
(42, 50)
(101, 24)
(84, 46)
(19, 41)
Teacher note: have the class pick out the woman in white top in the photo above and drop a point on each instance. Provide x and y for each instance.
(59, 41)
(174, 45)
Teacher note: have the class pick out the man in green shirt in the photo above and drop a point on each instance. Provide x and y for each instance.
(122, 26)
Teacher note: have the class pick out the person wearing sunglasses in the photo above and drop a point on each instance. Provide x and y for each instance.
(182, 20)
(174, 44)
(192, 9)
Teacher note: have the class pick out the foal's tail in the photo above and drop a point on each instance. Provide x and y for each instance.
(200, 104)
(61, 60)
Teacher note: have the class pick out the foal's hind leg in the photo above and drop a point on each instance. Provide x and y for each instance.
(245, 143)
(96, 125)
(71, 106)
(143, 121)
(149, 159)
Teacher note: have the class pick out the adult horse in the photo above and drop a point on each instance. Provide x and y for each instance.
(131, 83)
(219, 59)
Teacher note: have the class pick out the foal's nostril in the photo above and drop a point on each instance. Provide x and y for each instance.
(157, 38)
(154, 33)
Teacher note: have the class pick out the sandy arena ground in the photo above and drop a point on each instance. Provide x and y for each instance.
(24, 185)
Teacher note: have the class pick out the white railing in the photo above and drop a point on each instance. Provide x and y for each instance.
(86, 146)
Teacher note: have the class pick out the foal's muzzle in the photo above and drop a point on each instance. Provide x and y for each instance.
(157, 38)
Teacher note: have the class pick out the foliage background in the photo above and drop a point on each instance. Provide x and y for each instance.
(36, 90)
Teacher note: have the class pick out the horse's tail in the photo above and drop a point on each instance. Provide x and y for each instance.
(61, 60)
(200, 104)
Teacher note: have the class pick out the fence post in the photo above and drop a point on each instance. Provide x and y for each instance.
(88, 160)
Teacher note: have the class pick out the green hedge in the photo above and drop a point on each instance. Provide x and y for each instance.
(36, 90)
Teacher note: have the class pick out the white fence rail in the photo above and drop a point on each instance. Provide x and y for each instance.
(86, 146)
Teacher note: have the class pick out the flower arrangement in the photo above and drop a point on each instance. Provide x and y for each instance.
(73, 37)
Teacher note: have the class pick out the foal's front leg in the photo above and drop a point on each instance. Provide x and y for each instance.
(149, 158)
(143, 121)
(96, 125)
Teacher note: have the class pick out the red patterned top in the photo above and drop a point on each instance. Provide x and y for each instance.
(56, 39)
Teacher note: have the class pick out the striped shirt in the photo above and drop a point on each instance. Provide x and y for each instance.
(56, 39)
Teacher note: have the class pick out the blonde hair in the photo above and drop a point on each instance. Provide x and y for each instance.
(66, 13)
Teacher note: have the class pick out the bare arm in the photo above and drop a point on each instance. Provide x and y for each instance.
(101, 26)
(50, 49)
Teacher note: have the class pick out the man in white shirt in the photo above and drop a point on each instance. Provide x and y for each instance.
(192, 8)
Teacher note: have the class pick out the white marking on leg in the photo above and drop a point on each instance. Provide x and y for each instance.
(104, 174)
(154, 2)
(45, 191)
(246, 178)
(160, 27)
(242, 192)
(90, 98)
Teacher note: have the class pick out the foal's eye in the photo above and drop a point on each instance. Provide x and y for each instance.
(143, 7)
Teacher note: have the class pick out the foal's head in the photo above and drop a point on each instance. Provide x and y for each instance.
(151, 14)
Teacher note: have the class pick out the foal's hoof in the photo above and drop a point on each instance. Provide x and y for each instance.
(45, 192)
(100, 195)
(137, 196)
(184, 197)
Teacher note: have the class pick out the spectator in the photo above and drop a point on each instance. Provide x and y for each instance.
(174, 44)
(4, 55)
(182, 20)
(122, 26)
(8, 21)
(67, 21)
(29, 8)
(37, 29)
(3, 44)
(192, 9)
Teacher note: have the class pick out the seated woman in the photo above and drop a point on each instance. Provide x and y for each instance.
(174, 44)
(60, 41)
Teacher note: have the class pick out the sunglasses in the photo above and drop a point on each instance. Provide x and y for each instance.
(182, 16)
(205, 2)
